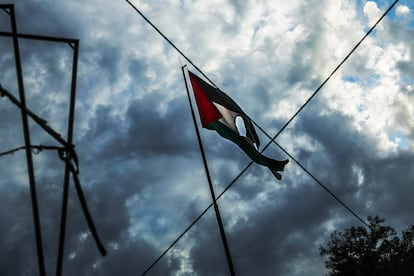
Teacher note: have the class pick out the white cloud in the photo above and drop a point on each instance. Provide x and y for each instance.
(372, 11)
(402, 10)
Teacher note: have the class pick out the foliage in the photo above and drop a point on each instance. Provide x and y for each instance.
(376, 251)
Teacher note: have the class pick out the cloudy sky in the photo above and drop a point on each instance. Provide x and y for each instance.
(140, 166)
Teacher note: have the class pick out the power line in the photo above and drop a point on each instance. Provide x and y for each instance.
(197, 219)
(167, 39)
(334, 71)
(314, 178)
(277, 134)
(231, 184)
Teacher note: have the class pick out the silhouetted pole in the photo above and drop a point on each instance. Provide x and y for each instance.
(29, 157)
(66, 178)
(216, 208)
(66, 153)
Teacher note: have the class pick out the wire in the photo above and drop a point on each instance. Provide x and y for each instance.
(314, 178)
(167, 39)
(334, 71)
(12, 151)
(277, 134)
(37, 147)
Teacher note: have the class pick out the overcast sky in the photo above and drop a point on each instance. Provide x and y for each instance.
(140, 166)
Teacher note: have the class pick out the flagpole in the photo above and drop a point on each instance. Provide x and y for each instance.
(216, 208)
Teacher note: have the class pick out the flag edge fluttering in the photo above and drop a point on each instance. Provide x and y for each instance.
(218, 111)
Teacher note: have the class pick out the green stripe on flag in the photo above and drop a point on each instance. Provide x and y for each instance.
(249, 149)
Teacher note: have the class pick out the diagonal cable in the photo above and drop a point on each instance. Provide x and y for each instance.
(314, 178)
(277, 134)
(334, 71)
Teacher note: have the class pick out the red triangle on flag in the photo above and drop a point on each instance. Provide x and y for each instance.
(208, 112)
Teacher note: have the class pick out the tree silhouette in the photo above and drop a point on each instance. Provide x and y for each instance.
(376, 251)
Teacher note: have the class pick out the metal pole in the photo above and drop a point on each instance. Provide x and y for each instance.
(29, 158)
(216, 208)
(66, 179)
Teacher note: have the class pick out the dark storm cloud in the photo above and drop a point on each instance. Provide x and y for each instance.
(168, 132)
(10, 117)
(208, 255)
(139, 162)
(107, 58)
(345, 149)
(343, 144)
(18, 238)
(125, 253)
(406, 66)
(387, 188)
(143, 131)
(275, 232)
(44, 15)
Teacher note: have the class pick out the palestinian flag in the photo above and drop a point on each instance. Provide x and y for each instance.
(218, 112)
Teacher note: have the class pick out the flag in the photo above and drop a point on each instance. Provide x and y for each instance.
(218, 112)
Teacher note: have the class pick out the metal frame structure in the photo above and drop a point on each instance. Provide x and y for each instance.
(66, 152)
